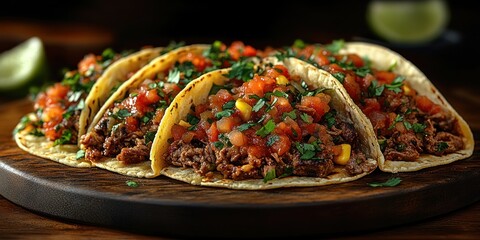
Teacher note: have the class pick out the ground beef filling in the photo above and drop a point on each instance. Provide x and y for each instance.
(112, 139)
(235, 163)
(440, 136)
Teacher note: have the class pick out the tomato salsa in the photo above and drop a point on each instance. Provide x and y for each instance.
(407, 124)
(268, 125)
(129, 126)
(58, 108)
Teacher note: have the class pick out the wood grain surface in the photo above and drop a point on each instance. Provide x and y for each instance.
(85, 198)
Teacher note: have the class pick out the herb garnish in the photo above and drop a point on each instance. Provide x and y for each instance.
(131, 183)
(392, 182)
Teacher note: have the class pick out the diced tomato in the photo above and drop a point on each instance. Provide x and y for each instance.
(249, 51)
(51, 134)
(237, 138)
(200, 108)
(226, 124)
(322, 60)
(178, 131)
(333, 68)
(151, 96)
(385, 77)
(290, 128)
(278, 70)
(309, 128)
(258, 151)
(131, 123)
(355, 59)
(282, 145)
(321, 107)
(212, 132)
(53, 113)
(238, 49)
(283, 105)
(87, 62)
(56, 93)
(255, 86)
(352, 87)
(378, 119)
(371, 105)
(426, 105)
(188, 136)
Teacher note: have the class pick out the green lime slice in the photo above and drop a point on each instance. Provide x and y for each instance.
(22, 66)
(409, 22)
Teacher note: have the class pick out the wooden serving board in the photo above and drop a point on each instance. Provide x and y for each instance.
(166, 206)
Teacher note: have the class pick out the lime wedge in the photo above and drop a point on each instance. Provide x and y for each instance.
(410, 22)
(22, 66)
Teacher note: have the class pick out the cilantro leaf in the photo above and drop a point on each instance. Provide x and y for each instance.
(392, 182)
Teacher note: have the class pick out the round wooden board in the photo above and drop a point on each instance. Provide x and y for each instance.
(166, 206)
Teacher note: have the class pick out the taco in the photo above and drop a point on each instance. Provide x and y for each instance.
(121, 134)
(414, 124)
(64, 110)
(266, 127)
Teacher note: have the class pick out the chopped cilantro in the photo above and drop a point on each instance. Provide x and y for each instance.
(260, 103)
(397, 119)
(245, 126)
(80, 154)
(269, 175)
(174, 76)
(149, 137)
(272, 139)
(396, 84)
(335, 46)
(442, 146)
(65, 138)
(243, 70)
(418, 128)
(224, 113)
(131, 183)
(267, 129)
(392, 182)
(340, 76)
(292, 114)
(375, 90)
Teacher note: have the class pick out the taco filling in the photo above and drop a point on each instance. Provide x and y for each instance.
(265, 126)
(129, 125)
(407, 124)
(57, 109)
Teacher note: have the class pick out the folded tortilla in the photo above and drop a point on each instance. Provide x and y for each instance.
(159, 65)
(197, 92)
(383, 58)
(114, 75)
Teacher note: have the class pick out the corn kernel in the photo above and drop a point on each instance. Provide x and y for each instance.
(246, 168)
(406, 90)
(344, 156)
(184, 124)
(244, 108)
(282, 80)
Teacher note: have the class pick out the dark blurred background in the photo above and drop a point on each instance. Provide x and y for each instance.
(71, 29)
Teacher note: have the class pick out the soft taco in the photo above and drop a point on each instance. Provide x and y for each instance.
(415, 125)
(63, 111)
(271, 126)
(121, 134)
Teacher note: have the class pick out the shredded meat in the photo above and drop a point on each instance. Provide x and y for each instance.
(403, 146)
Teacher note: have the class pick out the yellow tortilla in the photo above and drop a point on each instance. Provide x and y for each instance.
(197, 92)
(115, 74)
(382, 58)
(159, 64)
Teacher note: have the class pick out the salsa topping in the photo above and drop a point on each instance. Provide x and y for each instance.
(267, 126)
(58, 108)
(407, 124)
(129, 126)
